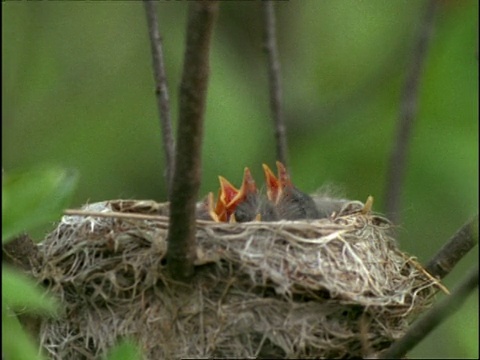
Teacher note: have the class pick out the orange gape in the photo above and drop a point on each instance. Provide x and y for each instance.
(229, 197)
(284, 200)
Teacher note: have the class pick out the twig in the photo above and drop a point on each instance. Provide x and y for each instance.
(270, 46)
(114, 214)
(128, 216)
(454, 250)
(419, 330)
(186, 178)
(161, 90)
(408, 111)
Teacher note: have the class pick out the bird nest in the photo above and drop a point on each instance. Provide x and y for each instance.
(330, 288)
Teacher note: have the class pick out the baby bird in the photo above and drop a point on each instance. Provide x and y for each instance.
(326, 206)
(290, 203)
(249, 205)
(236, 205)
(283, 201)
(219, 211)
(227, 200)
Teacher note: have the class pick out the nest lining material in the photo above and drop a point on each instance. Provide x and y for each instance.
(330, 288)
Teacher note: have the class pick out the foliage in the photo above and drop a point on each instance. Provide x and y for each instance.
(30, 198)
(125, 350)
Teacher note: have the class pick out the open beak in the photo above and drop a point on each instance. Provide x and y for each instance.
(283, 176)
(212, 208)
(229, 197)
(227, 193)
(276, 185)
(273, 184)
(248, 187)
(247, 190)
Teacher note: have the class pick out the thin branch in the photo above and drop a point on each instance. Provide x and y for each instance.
(435, 316)
(408, 112)
(270, 45)
(186, 178)
(454, 250)
(161, 90)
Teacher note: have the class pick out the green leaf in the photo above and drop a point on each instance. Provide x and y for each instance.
(18, 291)
(32, 198)
(125, 350)
(16, 344)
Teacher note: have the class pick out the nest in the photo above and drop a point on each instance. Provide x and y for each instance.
(330, 288)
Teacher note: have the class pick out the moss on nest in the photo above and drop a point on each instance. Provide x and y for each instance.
(331, 288)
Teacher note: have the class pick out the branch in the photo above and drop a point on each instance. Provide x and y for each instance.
(440, 265)
(161, 90)
(419, 330)
(186, 178)
(408, 111)
(270, 41)
(454, 250)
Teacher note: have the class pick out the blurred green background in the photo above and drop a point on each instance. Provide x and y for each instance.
(78, 91)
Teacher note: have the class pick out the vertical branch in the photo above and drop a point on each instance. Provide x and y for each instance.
(408, 111)
(270, 44)
(161, 90)
(186, 178)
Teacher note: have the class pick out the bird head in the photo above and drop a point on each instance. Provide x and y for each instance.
(272, 183)
(229, 197)
(276, 185)
(247, 188)
(226, 195)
